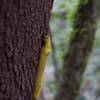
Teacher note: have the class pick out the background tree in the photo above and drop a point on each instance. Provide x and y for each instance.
(79, 49)
(23, 27)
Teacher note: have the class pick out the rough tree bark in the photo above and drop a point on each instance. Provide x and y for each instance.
(79, 49)
(23, 26)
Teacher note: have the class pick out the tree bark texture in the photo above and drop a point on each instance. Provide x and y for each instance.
(79, 49)
(23, 26)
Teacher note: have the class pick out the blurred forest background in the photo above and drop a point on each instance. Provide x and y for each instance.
(61, 28)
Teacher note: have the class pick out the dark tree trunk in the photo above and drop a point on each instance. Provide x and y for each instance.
(80, 47)
(23, 26)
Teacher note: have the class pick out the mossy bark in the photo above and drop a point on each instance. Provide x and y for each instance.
(79, 49)
(23, 26)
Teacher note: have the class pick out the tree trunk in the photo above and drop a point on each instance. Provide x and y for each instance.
(80, 47)
(23, 27)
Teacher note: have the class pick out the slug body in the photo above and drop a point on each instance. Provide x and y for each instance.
(40, 71)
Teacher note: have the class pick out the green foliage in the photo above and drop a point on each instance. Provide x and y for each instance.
(80, 98)
(61, 24)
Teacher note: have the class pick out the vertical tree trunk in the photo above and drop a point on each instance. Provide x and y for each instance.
(79, 50)
(23, 26)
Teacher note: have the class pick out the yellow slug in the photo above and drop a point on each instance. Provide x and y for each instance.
(40, 71)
